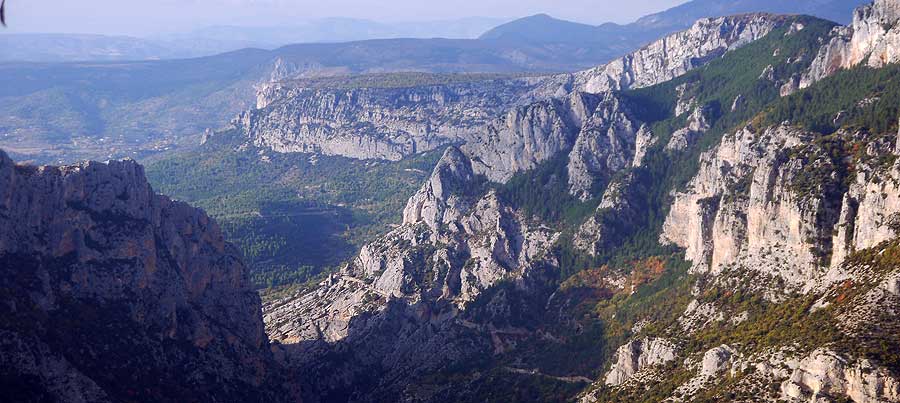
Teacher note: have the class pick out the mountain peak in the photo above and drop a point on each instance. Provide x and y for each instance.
(542, 28)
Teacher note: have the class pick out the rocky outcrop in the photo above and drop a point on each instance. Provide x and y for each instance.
(637, 355)
(598, 133)
(824, 374)
(113, 293)
(716, 360)
(606, 144)
(697, 125)
(528, 135)
(375, 121)
(676, 54)
(872, 39)
(870, 209)
(620, 210)
(507, 125)
(456, 242)
(449, 179)
(775, 202)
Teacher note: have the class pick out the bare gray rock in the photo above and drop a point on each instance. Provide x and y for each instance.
(103, 278)
(872, 38)
(637, 355)
(824, 373)
(456, 242)
(716, 360)
(507, 125)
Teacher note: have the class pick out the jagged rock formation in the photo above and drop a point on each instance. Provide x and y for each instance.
(508, 125)
(674, 55)
(455, 243)
(719, 222)
(113, 293)
(376, 123)
(684, 137)
(824, 373)
(773, 221)
(637, 355)
(752, 205)
(872, 39)
(622, 206)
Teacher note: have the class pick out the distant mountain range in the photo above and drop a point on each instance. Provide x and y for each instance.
(543, 28)
(595, 43)
(68, 111)
(221, 39)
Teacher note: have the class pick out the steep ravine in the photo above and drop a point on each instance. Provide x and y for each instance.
(787, 235)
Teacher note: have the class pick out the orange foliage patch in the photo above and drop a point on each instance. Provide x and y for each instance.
(646, 271)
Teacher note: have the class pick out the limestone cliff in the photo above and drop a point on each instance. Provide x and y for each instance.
(375, 121)
(774, 201)
(113, 293)
(873, 39)
(507, 124)
(674, 55)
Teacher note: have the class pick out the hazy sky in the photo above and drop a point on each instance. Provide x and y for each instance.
(143, 17)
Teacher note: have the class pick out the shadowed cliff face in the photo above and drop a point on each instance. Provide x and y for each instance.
(113, 293)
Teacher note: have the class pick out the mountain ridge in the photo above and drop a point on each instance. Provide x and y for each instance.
(707, 271)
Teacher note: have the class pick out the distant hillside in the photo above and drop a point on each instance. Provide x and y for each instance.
(544, 29)
(61, 112)
(28, 47)
(65, 112)
(840, 11)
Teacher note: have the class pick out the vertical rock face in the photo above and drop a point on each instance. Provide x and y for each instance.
(739, 203)
(376, 121)
(529, 135)
(638, 355)
(773, 202)
(605, 145)
(113, 293)
(674, 55)
(598, 133)
(824, 374)
(870, 208)
(873, 38)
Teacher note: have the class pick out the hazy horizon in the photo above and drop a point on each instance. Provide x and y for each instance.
(133, 18)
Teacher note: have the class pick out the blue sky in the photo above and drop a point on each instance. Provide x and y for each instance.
(147, 17)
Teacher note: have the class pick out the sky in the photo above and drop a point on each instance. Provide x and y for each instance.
(150, 17)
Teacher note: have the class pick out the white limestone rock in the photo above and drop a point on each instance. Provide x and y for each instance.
(825, 374)
(872, 38)
(637, 355)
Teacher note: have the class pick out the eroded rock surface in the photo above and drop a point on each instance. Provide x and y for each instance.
(111, 292)
(872, 39)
